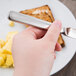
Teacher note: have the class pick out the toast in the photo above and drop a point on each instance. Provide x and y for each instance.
(44, 13)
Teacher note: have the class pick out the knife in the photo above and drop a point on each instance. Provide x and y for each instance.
(29, 20)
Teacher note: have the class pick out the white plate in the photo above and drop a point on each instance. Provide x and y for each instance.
(59, 11)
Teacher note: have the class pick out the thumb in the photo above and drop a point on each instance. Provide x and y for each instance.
(53, 32)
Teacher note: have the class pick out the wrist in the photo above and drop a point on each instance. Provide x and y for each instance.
(25, 72)
(19, 72)
(37, 68)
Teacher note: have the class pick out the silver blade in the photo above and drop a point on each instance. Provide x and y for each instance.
(71, 32)
(22, 18)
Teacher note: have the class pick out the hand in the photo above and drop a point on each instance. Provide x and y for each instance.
(34, 50)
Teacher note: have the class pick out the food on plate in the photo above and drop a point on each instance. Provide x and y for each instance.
(11, 24)
(44, 13)
(61, 41)
(6, 59)
(9, 62)
(2, 59)
(2, 43)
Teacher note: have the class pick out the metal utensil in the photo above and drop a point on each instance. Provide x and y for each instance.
(25, 19)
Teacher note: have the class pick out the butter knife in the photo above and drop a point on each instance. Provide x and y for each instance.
(29, 20)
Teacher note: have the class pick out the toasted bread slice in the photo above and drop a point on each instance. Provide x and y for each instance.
(61, 41)
(44, 13)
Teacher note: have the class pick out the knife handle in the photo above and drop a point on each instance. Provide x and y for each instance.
(29, 20)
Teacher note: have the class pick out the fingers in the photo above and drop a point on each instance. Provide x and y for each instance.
(58, 47)
(35, 32)
(53, 33)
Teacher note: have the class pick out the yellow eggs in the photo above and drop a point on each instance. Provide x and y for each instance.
(6, 59)
(26, 26)
(11, 24)
(9, 61)
(10, 35)
(2, 59)
(4, 51)
(2, 43)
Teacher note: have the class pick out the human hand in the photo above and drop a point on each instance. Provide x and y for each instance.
(34, 50)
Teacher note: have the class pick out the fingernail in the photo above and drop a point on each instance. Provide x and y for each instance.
(54, 56)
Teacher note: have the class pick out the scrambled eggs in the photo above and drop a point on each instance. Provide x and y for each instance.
(6, 59)
(11, 24)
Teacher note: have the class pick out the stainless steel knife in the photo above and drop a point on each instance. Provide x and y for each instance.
(25, 19)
